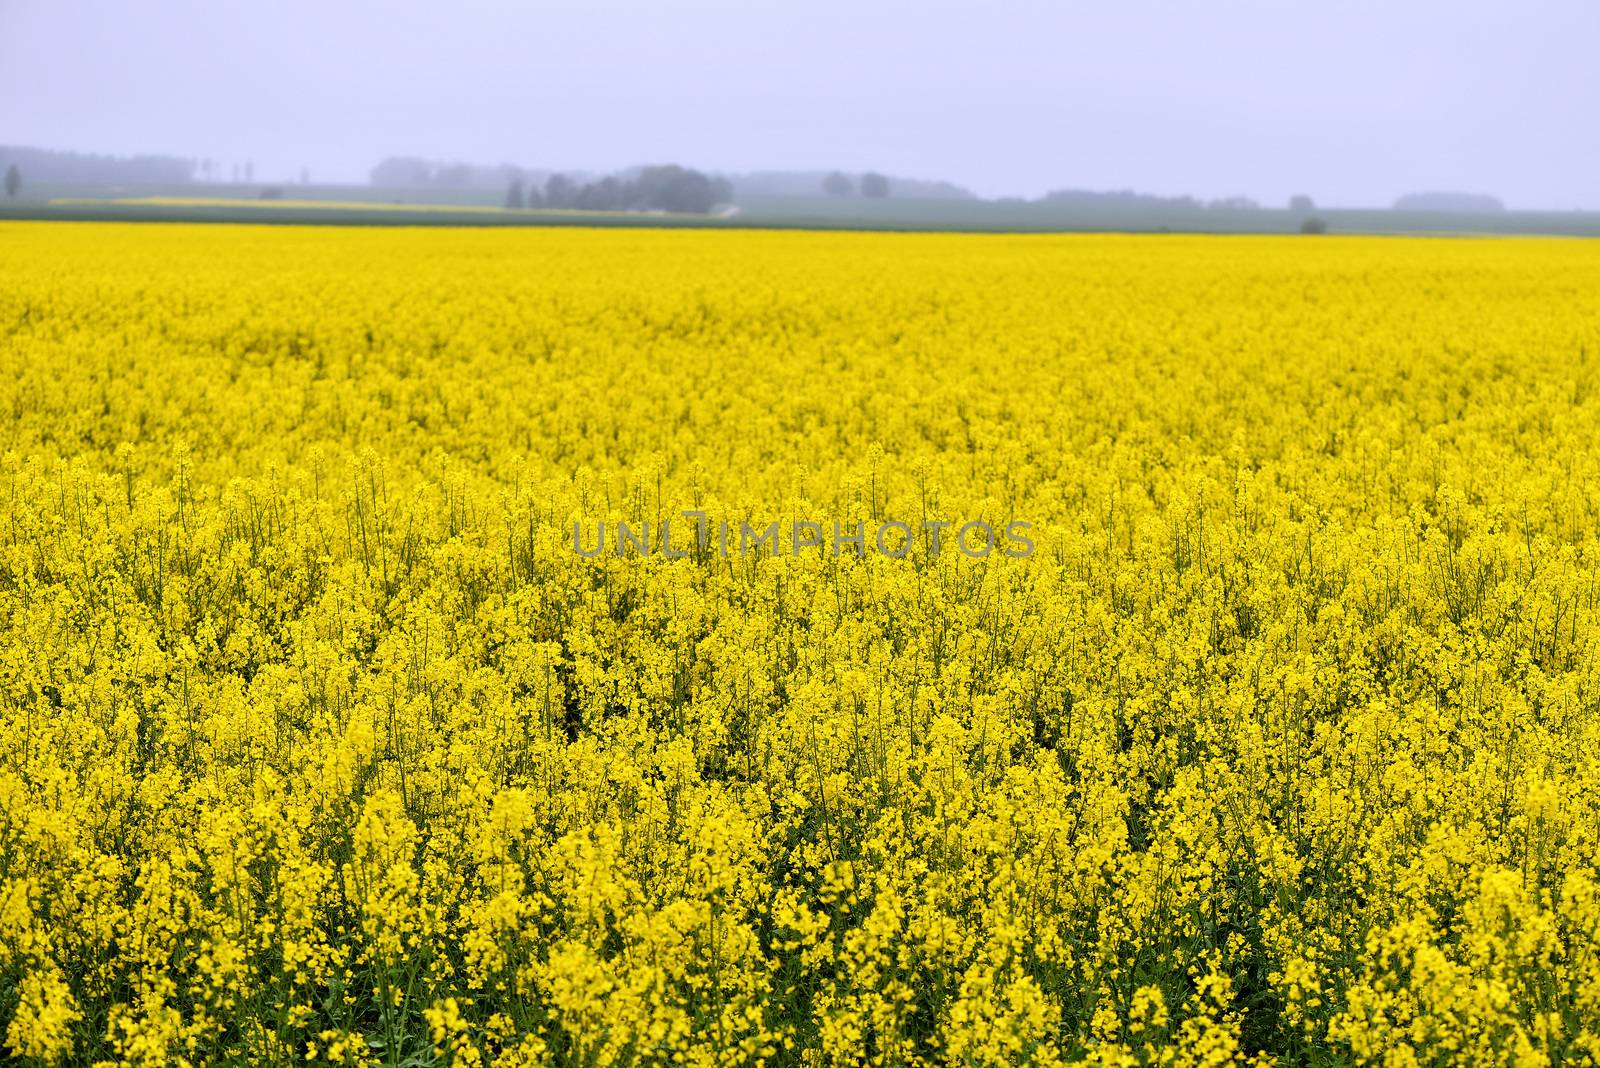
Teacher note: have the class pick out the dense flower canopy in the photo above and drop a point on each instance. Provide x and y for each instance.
(317, 739)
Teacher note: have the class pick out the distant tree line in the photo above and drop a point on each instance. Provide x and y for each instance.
(667, 187)
(872, 185)
(413, 172)
(1128, 200)
(1466, 203)
(42, 165)
(1095, 200)
(811, 184)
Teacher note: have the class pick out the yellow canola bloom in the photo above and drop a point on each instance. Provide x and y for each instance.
(319, 740)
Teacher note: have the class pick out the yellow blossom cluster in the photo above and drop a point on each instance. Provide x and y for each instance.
(319, 741)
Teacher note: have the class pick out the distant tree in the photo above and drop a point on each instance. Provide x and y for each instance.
(721, 191)
(514, 196)
(402, 171)
(1301, 203)
(671, 188)
(559, 192)
(1314, 225)
(838, 184)
(874, 185)
(604, 195)
(305, 176)
(13, 180)
(533, 198)
(249, 171)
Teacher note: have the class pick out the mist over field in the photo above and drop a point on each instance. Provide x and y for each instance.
(1353, 104)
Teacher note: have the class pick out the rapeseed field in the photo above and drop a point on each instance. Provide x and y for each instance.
(326, 735)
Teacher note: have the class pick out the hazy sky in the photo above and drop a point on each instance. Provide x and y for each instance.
(1352, 101)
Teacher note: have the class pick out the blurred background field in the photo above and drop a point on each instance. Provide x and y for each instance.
(377, 206)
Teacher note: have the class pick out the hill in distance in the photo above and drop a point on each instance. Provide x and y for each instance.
(1463, 203)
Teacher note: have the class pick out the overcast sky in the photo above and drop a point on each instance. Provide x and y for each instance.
(1351, 101)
